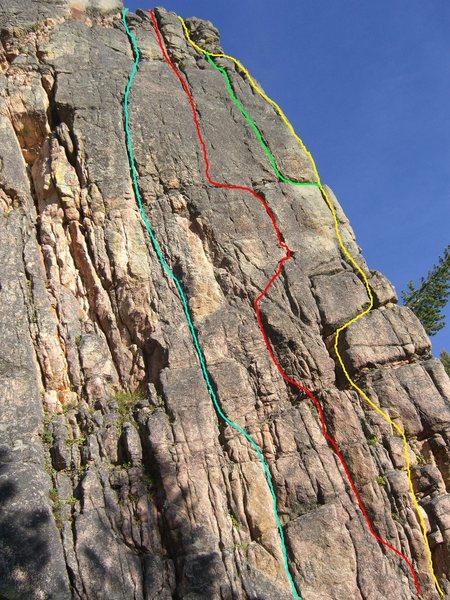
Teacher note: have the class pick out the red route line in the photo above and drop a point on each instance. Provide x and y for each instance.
(264, 292)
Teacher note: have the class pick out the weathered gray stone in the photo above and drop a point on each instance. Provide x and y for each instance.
(390, 335)
(339, 297)
(118, 478)
(382, 289)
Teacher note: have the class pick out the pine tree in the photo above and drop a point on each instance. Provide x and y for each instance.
(445, 359)
(428, 300)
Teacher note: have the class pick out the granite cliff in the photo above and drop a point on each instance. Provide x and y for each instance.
(118, 480)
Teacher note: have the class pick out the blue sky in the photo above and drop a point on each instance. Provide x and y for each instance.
(367, 87)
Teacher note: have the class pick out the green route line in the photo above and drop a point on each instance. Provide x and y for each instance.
(284, 179)
(256, 130)
(185, 304)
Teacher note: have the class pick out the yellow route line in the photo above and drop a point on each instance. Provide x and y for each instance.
(359, 270)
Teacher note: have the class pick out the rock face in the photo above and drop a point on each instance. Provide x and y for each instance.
(118, 479)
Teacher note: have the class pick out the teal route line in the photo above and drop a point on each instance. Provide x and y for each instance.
(256, 130)
(185, 304)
